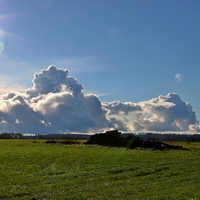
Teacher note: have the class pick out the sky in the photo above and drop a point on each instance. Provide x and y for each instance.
(86, 66)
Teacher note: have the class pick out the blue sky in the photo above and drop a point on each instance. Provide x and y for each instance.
(127, 51)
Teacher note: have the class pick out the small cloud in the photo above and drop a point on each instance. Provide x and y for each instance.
(178, 77)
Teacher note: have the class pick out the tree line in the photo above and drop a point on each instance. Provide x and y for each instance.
(11, 136)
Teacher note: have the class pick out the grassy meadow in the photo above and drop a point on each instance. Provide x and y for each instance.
(31, 169)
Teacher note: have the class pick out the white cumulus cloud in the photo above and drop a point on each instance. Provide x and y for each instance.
(57, 104)
(168, 113)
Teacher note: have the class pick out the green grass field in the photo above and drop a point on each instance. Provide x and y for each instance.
(34, 170)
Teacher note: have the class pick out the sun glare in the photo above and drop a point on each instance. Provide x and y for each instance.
(3, 33)
(1, 47)
(1, 41)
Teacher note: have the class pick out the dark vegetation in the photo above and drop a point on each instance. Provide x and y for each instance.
(116, 139)
(66, 141)
(143, 136)
(11, 136)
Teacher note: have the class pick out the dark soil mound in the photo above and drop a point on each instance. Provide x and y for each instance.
(115, 138)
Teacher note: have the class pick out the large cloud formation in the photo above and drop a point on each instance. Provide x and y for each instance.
(57, 104)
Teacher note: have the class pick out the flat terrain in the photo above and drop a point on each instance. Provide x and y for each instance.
(34, 170)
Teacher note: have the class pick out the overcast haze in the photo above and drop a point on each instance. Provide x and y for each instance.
(89, 66)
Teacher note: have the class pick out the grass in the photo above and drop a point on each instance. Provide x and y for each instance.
(30, 169)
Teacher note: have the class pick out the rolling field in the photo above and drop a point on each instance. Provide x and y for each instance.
(34, 170)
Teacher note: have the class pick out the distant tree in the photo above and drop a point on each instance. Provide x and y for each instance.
(18, 136)
(6, 136)
(11, 136)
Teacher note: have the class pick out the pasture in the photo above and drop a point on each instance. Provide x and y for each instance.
(31, 169)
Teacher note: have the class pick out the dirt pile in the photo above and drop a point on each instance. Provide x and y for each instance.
(115, 138)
